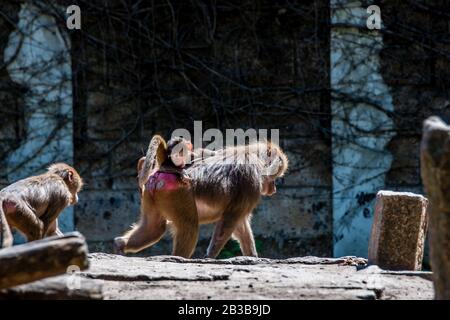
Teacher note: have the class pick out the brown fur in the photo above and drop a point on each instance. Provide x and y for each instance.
(32, 205)
(162, 206)
(221, 190)
(228, 187)
(156, 154)
(6, 238)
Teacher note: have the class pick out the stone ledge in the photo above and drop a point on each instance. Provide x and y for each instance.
(168, 277)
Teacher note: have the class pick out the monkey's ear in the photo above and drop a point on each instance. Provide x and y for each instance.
(70, 175)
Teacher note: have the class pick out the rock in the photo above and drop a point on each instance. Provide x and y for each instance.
(398, 231)
(435, 172)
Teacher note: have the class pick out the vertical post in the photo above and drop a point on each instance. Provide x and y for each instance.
(435, 171)
(398, 232)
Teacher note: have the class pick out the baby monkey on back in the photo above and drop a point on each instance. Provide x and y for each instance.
(32, 205)
(223, 187)
(170, 157)
(165, 192)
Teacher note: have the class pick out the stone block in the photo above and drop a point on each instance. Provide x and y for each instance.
(398, 232)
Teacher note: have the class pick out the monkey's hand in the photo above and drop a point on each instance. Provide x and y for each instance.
(185, 179)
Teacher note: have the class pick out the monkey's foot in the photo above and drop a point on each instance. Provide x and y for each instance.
(37, 232)
(119, 246)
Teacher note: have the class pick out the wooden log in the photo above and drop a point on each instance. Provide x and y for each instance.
(435, 172)
(41, 259)
(56, 288)
(399, 227)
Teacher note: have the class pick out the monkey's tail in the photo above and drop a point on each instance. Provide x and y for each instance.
(156, 154)
(6, 238)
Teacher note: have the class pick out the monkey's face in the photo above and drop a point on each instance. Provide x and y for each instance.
(178, 159)
(268, 186)
(75, 184)
(274, 161)
(180, 154)
(71, 178)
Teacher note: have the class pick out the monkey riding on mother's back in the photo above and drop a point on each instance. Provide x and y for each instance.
(165, 192)
(220, 188)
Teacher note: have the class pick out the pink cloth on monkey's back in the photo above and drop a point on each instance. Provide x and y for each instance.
(166, 181)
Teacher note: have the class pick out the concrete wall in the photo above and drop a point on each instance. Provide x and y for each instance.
(258, 64)
(40, 48)
(112, 135)
(361, 129)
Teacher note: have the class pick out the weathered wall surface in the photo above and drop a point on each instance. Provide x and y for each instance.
(245, 71)
(384, 84)
(11, 95)
(40, 48)
(417, 71)
(250, 64)
(415, 64)
(361, 127)
(38, 121)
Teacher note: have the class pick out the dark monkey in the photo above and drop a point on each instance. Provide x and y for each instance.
(32, 205)
(227, 186)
